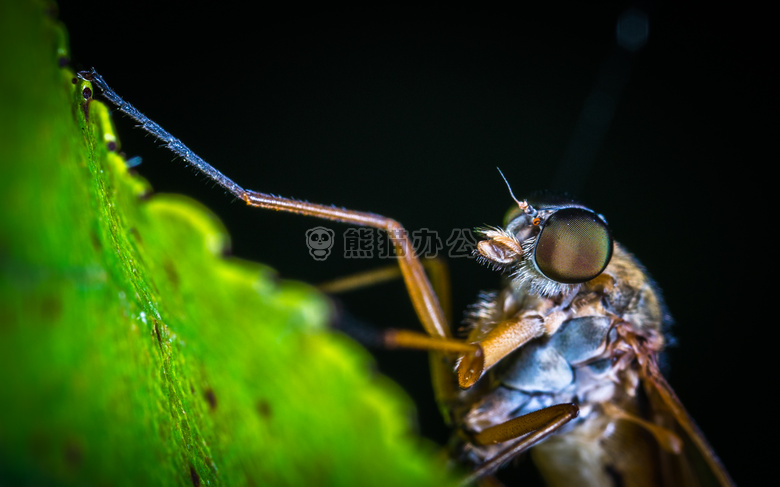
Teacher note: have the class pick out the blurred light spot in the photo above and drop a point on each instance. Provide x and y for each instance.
(133, 161)
(632, 30)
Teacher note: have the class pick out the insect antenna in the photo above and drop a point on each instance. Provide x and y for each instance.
(523, 205)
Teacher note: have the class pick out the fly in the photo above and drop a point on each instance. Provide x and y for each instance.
(561, 361)
(570, 345)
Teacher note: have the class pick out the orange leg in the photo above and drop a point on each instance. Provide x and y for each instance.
(435, 267)
(424, 300)
(526, 431)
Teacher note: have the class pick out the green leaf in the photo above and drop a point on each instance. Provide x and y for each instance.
(132, 352)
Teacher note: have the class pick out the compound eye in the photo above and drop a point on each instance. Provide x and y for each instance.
(574, 246)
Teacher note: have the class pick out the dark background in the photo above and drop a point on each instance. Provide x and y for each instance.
(409, 119)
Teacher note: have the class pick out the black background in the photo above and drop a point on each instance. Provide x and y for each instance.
(409, 119)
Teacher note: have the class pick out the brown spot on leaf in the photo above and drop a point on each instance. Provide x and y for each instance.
(51, 308)
(95, 241)
(87, 94)
(194, 476)
(51, 10)
(136, 235)
(170, 271)
(264, 408)
(156, 328)
(73, 453)
(211, 398)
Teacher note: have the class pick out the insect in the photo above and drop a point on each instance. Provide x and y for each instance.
(561, 361)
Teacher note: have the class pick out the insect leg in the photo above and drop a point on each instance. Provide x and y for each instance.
(424, 300)
(174, 144)
(441, 348)
(503, 338)
(435, 267)
(526, 430)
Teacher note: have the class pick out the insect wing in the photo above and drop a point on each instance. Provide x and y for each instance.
(697, 464)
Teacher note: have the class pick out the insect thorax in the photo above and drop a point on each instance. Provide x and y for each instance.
(575, 364)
